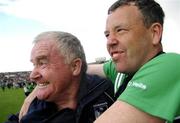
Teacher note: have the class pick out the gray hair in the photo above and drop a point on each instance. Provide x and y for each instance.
(69, 46)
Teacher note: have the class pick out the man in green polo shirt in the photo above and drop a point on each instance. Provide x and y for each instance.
(134, 32)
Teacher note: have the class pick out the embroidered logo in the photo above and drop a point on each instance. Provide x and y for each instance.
(137, 85)
(99, 109)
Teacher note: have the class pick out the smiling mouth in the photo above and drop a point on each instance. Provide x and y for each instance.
(116, 55)
(43, 85)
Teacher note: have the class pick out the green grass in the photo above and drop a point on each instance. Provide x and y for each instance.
(10, 102)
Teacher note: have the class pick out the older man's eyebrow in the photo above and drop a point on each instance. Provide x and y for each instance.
(39, 58)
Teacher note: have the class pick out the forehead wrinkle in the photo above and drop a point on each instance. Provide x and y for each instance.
(125, 20)
(40, 49)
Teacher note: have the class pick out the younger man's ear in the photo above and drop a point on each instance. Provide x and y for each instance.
(157, 30)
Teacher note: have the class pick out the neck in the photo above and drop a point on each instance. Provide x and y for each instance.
(71, 103)
(69, 98)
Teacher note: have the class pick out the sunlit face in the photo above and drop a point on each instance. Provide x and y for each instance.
(50, 72)
(129, 42)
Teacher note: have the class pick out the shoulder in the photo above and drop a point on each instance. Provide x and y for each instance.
(39, 110)
(158, 79)
(97, 97)
(164, 60)
(97, 81)
(41, 105)
(165, 63)
(100, 86)
(161, 70)
(110, 71)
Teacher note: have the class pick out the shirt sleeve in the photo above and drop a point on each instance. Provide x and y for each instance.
(110, 70)
(155, 88)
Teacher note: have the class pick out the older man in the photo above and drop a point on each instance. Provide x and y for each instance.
(65, 94)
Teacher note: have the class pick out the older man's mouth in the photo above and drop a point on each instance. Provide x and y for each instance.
(43, 85)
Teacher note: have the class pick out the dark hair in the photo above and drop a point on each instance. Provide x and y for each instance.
(150, 9)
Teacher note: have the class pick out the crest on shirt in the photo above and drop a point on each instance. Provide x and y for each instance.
(99, 108)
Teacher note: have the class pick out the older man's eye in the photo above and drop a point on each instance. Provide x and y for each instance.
(41, 63)
(119, 30)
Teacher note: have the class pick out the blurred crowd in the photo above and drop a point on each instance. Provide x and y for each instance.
(13, 80)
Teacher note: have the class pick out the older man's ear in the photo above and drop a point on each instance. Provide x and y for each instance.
(76, 66)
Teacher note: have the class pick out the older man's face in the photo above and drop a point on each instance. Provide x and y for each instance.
(50, 72)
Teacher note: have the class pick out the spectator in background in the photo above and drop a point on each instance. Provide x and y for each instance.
(28, 88)
(3, 85)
